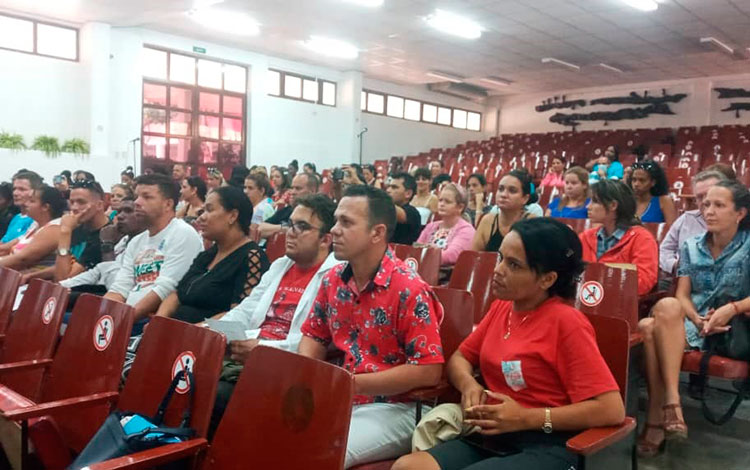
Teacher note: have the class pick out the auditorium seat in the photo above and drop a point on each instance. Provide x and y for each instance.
(658, 230)
(473, 272)
(276, 246)
(578, 225)
(9, 282)
(427, 260)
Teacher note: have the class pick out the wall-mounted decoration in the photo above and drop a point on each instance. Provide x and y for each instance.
(557, 103)
(737, 107)
(726, 93)
(635, 98)
(573, 120)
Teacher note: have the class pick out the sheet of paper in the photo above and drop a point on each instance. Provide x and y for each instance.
(233, 330)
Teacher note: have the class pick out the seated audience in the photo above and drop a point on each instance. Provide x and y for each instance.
(293, 168)
(35, 249)
(572, 204)
(689, 224)
(439, 176)
(310, 168)
(118, 193)
(555, 177)
(401, 188)
(383, 318)
(127, 177)
(258, 190)
(607, 166)
(274, 312)
(302, 185)
(179, 172)
(215, 179)
(158, 258)
(238, 175)
(24, 185)
(82, 175)
(62, 184)
(724, 169)
(620, 239)
(713, 286)
(452, 234)
(424, 200)
(475, 207)
(7, 209)
(193, 194)
(651, 190)
(544, 378)
(280, 182)
(514, 192)
(370, 175)
(227, 272)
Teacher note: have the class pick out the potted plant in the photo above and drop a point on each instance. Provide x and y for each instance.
(49, 145)
(11, 141)
(77, 146)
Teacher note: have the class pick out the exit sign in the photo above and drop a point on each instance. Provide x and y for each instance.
(199, 50)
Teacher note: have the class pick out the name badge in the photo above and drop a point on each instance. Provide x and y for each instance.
(513, 375)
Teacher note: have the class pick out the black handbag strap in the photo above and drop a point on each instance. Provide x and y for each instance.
(181, 433)
(703, 374)
(186, 415)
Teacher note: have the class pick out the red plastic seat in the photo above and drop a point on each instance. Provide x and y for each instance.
(287, 412)
(78, 383)
(578, 225)
(426, 258)
(9, 282)
(658, 230)
(276, 246)
(721, 367)
(473, 272)
(32, 334)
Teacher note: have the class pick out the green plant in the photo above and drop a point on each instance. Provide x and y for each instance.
(78, 146)
(11, 141)
(48, 145)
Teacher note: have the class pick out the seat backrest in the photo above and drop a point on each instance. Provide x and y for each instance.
(457, 320)
(473, 272)
(427, 260)
(657, 229)
(9, 282)
(167, 347)
(578, 225)
(609, 291)
(276, 246)
(287, 411)
(612, 337)
(33, 333)
(88, 360)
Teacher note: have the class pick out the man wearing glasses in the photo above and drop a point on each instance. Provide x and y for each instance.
(302, 185)
(274, 312)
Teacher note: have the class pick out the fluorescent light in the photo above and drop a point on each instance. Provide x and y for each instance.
(331, 47)
(717, 45)
(366, 3)
(552, 60)
(232, 22)
(454, 24)
(496, 81)
(445, 76)
(611, 68)
(643, 5)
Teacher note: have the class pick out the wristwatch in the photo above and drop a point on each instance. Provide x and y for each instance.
(547, 426)
(63, 252)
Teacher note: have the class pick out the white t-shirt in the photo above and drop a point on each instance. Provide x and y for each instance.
(263, 211)
(157, 263)
(103, 273)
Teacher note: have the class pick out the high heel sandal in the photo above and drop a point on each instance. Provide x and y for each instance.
(674, 427)
(646, 448)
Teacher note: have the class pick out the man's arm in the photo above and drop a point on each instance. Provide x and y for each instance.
(65, 264)
(400, 214)
(399, 379)
(266, 230)
(147, 305)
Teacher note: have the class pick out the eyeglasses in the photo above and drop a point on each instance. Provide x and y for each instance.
(301, 227)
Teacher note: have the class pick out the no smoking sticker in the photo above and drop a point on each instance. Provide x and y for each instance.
(103, 332)
(412, 263)
(185, 360)
(591, 293)
(49, 310)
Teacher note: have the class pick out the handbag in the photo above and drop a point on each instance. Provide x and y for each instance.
(734, 344)
(125, 433)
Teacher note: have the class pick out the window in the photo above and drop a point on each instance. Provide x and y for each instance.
(39, 38)
(298, 87)
(193, 111)
(414, 110)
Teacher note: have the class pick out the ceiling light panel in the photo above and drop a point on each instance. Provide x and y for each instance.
(366, 3)
(232, 22)
(496, 81)
(643, 5)
(454, 24)
(445, 76)
(331, 47)
(552, 60)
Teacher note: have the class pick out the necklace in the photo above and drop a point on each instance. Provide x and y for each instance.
(507, 329)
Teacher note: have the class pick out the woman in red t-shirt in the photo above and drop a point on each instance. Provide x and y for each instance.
(538, 356)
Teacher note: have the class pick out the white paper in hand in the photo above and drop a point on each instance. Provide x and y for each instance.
(233, 330)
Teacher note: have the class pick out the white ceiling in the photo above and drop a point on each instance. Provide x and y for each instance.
(398, 46)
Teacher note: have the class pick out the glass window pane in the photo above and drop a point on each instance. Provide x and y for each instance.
(154, 63)
(56, 41)
(375, 103)
(395, 107)
(230, 154)
(209, 74)
(329, 93)
(429, 113)
(154, 120)
(179, 123)
(181, 98)
(16, 34)
(209, 152)
(273, 83)
(412, 110)
(154, 147)
(182, 68)
(292, 86)
(209, 103)
(154, 94)
(235, 78)
(310, 90)
(231, 129)
(363, 100)
(233, 105)
(474, 122)
(208, 126)
(178, 149)
(459, 119)
(444, 116)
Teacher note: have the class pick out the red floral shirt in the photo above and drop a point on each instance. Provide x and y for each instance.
(393, 321)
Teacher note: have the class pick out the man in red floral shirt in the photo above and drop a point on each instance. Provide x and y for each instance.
(384, 318)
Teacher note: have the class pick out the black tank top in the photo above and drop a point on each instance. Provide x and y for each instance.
(496, 238)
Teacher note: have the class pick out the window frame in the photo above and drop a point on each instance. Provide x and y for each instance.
(35, 40)
(320, 81)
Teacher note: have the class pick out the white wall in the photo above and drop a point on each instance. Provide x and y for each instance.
(700, 108)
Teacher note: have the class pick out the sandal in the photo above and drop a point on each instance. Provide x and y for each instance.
(646, 448)
(674, 427)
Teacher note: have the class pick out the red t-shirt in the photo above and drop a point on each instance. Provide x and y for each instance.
(281, 312)
(549, 359)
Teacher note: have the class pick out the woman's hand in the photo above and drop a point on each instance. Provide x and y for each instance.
(698, 321)
(507, 416)
(716, 320)
(472, 396)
